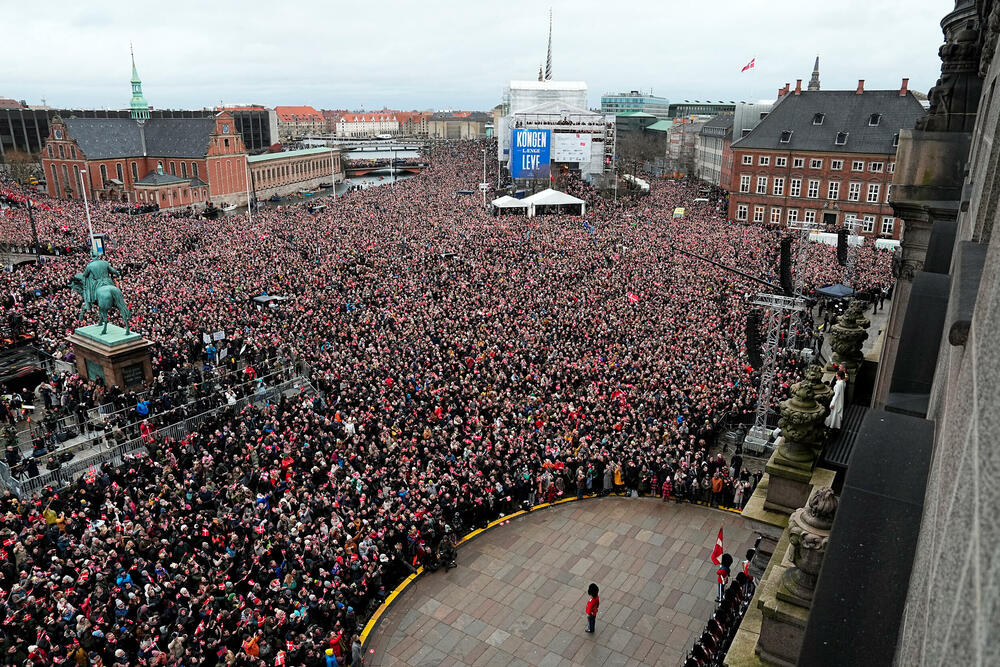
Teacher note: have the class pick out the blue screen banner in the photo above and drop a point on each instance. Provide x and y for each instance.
(529, 153)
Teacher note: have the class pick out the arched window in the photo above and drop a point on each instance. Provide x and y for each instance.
(50, 151)
(118, 170)
(184, 170)
(104, 176)
(61, 153)
(194, 169)
(55, 181)
(135, 173)
(173, 168)
(76, 178)
(65, 182)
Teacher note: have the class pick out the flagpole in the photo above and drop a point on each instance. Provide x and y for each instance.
(246, 171)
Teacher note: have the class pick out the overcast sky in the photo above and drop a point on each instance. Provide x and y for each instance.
(454, 54)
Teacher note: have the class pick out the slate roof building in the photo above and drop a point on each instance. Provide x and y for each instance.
(298, 122)
(174, 163)
(823, 156)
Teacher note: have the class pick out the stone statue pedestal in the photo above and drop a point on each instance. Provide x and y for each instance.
(119, 359)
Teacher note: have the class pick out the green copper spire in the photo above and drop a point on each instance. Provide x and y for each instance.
(139, 106)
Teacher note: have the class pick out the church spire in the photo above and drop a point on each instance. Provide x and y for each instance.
(139, 107)
(548, 57)
(814, 81)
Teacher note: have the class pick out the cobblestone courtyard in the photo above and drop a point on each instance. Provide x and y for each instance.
(518, 594)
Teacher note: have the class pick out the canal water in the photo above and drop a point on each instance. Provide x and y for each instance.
(366, 181)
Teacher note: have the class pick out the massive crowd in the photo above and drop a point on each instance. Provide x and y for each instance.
(464, 366)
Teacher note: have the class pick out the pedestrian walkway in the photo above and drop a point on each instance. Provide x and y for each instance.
(519, 592)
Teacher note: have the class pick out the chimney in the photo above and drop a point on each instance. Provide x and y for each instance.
(781, 91)
(861, 87)
(905, 88)
(798, 86)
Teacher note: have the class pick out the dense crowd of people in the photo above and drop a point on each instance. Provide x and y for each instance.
(464, 367)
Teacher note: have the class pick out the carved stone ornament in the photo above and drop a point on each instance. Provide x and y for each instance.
(808, 536)
(822, 393)
(801, 427)
(848, 337)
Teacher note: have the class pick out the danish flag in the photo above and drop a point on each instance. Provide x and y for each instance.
(749, 65)
(717, 551)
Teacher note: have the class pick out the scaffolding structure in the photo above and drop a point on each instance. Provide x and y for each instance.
(799, 279)
(854, 240)
(758, 439)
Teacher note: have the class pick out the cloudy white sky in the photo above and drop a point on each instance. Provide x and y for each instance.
(453, 53)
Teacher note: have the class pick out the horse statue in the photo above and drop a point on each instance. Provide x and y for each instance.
(97, 287)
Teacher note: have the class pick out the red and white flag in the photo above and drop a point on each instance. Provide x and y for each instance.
(717, 551)
(634, 298)
(749, 65)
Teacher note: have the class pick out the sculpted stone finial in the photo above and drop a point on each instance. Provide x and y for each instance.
(808, 535)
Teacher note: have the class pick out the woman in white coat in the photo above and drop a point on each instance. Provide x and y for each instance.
(837, 402)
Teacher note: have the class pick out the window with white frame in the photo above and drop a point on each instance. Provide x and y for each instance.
(795, 187)
(888, 192)
(836, 165)
(775, 215)
(833, 190)
(868, 224)
(780, 162)
(858, 165)
(854, 191)
(744, 182)
(892, 168)
(762, 185)
(809, 215)
(778, 186)
(793, 215)
(888, 224)
(815, 163)
(876, 167)
(758, 214)
(798, 162)
(873, 190)
(764, 160)
(813, 191)
(741, 211)
(748, 159)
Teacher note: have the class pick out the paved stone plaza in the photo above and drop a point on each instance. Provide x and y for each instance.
(518, 594)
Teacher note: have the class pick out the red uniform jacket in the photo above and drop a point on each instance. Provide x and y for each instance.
(592, 605)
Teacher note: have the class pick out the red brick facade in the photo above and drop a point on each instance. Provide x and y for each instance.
(221, 170)
(775, 187)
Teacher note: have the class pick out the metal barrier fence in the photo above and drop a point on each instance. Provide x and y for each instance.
(115, 454)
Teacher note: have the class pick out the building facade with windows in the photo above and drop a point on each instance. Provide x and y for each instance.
(713, 151)
(635, 102)
(360, 125)
(297, 122)
(174, 163)
(823, 156)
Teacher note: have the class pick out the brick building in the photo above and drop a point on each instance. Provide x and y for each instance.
(298, 122)
(171, 162)
(823, 156)
(369, 124)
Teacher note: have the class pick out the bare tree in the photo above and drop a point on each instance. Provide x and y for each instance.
(22, 166)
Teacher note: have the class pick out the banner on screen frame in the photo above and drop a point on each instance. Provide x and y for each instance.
(530, 153)
(571, 147)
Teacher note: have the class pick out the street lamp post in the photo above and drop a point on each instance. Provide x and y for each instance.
(483, 186)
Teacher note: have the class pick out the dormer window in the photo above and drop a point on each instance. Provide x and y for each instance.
(874, 119)
(786, 136)
(841, 138)
(819, 118)
(895, 139)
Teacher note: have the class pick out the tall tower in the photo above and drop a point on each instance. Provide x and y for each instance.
(814, 81)
(548, 57)
(139, 106)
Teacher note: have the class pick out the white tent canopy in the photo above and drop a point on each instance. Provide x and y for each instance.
(509, 202)
(550, 197)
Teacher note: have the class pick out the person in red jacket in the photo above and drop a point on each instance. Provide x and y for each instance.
(592, 606)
